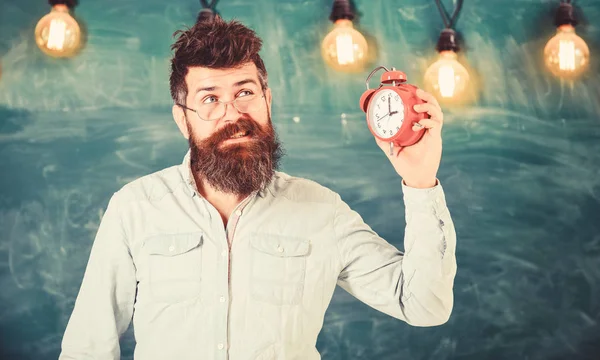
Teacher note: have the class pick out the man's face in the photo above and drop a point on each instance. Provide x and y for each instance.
(237, 151)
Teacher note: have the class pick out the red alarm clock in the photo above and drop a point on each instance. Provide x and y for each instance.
(389, 109)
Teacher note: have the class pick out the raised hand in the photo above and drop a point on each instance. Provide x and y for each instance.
(418, 164)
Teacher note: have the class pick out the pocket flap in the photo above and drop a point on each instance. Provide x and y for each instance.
(279, 245)
(172, 244)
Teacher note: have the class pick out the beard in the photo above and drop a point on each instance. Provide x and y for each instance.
(238, 168)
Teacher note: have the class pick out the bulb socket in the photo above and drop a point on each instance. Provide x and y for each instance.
(565, 15)
(206, 15)
(69, 3)
(447, 41)
(341, 10)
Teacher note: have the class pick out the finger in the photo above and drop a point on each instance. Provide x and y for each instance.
(432, 125)
(434, 111)
(424, 95)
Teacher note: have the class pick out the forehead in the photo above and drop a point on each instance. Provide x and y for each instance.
(201, 77)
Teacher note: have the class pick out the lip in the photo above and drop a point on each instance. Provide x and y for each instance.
(237, 140)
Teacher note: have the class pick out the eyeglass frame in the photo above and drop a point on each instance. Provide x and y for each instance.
(222, 102)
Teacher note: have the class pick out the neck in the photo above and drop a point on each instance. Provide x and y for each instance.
(223, 202)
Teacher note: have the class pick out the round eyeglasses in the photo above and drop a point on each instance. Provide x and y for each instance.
(217, 109)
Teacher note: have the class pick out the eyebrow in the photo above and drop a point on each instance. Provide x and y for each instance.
(237, 84)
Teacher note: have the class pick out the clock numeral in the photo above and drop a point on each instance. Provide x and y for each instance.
(384, 132)
(379, 125)
(397, 97)
(377, 116)
(383, 98)
(397, 128)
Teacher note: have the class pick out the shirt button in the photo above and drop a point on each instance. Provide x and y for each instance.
(238, 212)
(280, 249)
(224, 253)
(171, 248)
(222, 299)
(220, 346)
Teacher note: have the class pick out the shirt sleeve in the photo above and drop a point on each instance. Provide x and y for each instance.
(414, 286)
(104, 306)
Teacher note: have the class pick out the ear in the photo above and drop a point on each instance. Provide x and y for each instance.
(181, 120)
(268, 97)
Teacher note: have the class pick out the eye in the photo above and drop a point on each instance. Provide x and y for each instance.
(209, 99)
(245, 93)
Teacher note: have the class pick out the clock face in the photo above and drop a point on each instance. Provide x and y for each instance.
(386, 113)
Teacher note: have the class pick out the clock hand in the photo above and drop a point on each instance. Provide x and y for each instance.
(383, 116)
(388, 119)
(389, 105)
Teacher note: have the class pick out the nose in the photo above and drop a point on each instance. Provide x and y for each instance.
(231, 113)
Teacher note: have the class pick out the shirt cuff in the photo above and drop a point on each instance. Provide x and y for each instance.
(428, 198)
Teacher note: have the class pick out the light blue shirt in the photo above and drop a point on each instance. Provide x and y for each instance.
(162, 257)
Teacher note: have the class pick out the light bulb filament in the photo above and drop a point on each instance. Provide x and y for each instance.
(566, 55)
(345, 49)
(56, 37)
(446, 81)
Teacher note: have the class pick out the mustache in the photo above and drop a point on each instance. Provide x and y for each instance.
(245, 125)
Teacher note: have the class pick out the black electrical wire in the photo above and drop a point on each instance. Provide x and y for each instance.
(449, 21)
(208, 5)
(70, 3)
(447, 40)
(208, 12)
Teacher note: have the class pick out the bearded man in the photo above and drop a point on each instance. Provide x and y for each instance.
(224, 257)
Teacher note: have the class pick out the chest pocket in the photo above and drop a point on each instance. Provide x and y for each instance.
(278, 268)
(175, 266)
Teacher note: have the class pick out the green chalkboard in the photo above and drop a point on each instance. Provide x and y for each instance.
(521, 164)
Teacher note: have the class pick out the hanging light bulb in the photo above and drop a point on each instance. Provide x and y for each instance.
(566, 54)
(446, 78)
(344, 48)
(57, 34)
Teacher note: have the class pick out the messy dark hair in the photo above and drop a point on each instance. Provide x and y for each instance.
(215, 44)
